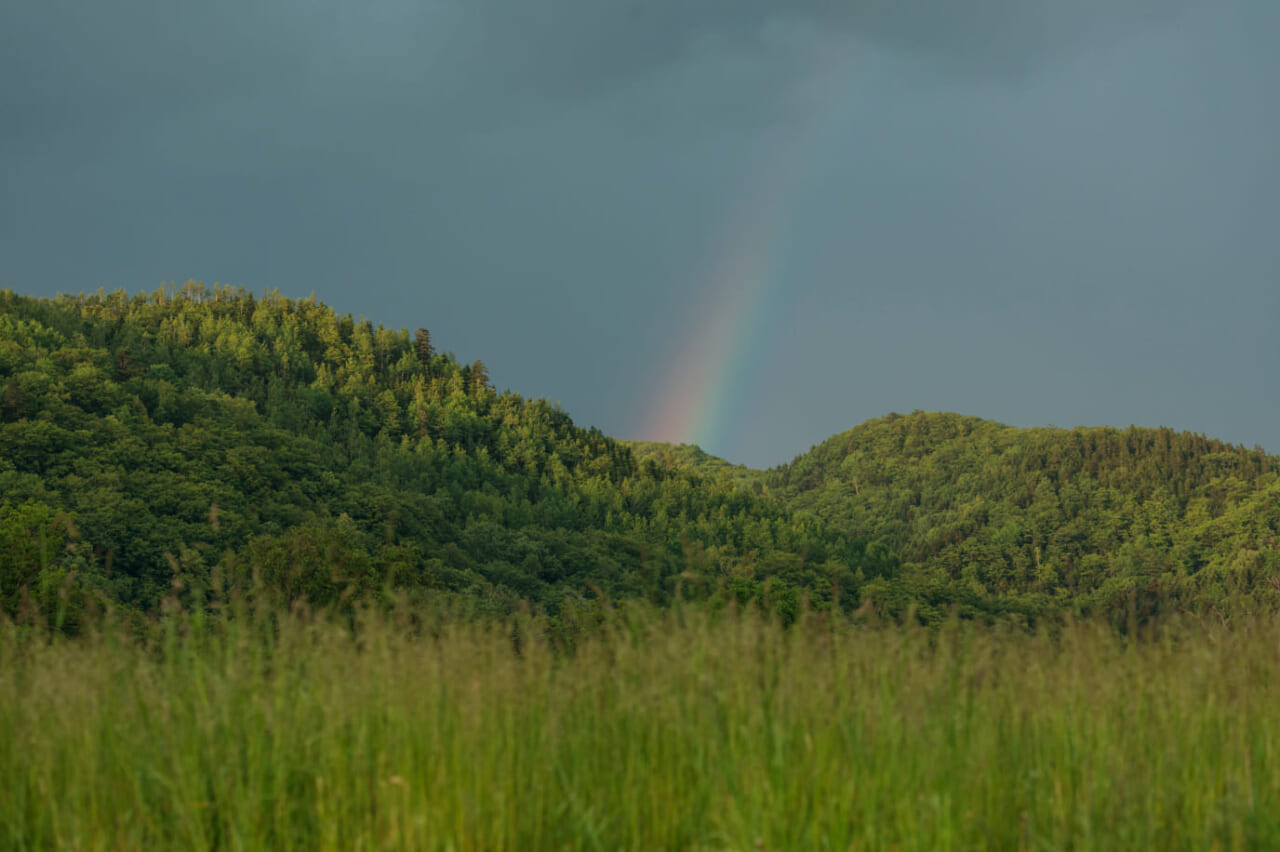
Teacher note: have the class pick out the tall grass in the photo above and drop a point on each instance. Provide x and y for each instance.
(668, 731)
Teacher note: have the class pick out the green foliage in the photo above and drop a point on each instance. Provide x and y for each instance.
(667, 458)
(673, 729)
(39, 564)
(199, 438)
(1130, 523)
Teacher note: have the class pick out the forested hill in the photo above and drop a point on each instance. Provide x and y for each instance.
(205, 440)
(1094, 516)
(692, 458)
(199, 439)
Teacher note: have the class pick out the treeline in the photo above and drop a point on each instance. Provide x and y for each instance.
(194, 440)
(195, 443)
(1127, 523)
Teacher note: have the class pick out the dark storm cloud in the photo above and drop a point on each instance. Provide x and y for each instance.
(72, 55)
(584, 45)
(323, 73)
(71, 65)
(1090, 184)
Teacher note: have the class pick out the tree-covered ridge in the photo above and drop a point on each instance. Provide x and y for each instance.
(207, 438)
(1098, 517)
(670, 457)
(212, 436)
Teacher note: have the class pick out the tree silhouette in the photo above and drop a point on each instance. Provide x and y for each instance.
(479, 375)
(422, 345)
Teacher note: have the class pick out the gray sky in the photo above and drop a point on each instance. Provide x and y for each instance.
(1039, 212)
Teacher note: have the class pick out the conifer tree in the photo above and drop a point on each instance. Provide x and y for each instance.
(479, 375)
(422, 345)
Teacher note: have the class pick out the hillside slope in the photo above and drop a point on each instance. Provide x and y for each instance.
(201, 438)
(197, 440)
(692, 458)
(1098, 517)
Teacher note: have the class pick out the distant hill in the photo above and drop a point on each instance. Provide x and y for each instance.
(194, 441)
(1094, 517)
(693, 458)
(199, 438)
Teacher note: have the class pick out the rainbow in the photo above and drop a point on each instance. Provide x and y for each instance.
(713, 371)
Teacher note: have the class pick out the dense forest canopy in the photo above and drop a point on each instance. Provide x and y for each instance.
(1092, 517)
(197, 440)
(212, 437)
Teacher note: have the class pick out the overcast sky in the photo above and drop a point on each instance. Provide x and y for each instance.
(1036, 211)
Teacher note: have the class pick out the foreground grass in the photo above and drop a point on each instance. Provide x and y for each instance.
(670, 732)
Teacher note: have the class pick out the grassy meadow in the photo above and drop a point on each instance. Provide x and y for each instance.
(677, 730)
